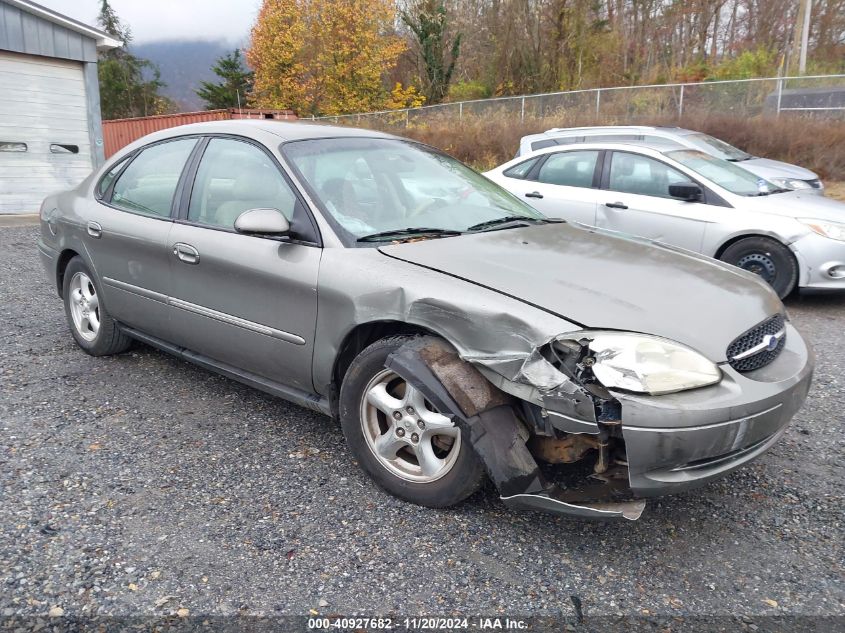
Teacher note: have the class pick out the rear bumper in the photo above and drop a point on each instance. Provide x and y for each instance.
(681, 441)
(49, 259)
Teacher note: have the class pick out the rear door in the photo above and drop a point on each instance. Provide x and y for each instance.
(561, 185)
(126, 231)
(243, 300)
(635, 199)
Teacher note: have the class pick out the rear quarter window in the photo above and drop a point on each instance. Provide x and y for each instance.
(108, 178)
(521, 170)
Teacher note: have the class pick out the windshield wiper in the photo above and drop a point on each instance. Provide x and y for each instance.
(506, 220)
(739, 160)
(394, 234)
(770, 192)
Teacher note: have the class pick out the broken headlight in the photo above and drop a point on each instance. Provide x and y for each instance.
(648, 364)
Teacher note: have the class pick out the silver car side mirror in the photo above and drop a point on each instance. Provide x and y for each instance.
(262, 222)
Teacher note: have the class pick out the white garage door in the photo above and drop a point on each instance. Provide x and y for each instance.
(44, 143)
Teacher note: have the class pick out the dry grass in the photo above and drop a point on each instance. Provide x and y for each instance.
(835, 190)
(815, 144)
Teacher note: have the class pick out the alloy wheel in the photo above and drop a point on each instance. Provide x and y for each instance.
(84, 306)
(405, 433)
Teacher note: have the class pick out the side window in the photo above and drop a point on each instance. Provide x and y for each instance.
(147, 185)
(106, 180)
(633, 173)
(521, 170)
(571, 169)
(233, 177)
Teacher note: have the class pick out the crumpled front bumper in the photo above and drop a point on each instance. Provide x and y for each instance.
(672, 442)
(675, 442)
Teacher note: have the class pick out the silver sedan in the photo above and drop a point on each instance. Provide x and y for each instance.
(686, 198)
(455, 332)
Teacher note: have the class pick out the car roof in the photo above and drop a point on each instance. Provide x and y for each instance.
(256, 128)
(616, 129)
(659, 148)
(623, 128)
(648, 149)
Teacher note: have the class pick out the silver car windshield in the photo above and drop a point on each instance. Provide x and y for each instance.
(727, 175)
(371, 186)
(718, 148)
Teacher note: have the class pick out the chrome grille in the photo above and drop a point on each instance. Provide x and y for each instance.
(750, 351)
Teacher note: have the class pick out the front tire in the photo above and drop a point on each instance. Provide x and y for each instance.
(767, 258)
(92, 327)
(408, 448)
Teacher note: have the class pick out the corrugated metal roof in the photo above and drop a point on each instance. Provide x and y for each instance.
(103, 40)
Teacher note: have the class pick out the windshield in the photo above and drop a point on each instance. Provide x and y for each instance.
(715, 147)
(727, 175)
(369, 186)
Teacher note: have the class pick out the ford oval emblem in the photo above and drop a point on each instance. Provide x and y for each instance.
(771, 342)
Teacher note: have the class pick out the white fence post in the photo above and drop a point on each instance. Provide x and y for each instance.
(407, 117)
(461, 111)
(598, 100)
(522, 110)
(780, 94)
(681, 103)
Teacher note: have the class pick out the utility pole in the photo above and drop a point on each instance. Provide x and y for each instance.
(805, 36)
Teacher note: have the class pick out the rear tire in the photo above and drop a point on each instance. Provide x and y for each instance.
(768, 258)
(422, 457)
(92, 327)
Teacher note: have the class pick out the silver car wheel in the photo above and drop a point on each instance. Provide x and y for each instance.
(404, 432)
(84, 306)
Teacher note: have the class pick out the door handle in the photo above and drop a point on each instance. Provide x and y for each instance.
(186, 253)
(95, 230)
(616, 205)
(534, 194)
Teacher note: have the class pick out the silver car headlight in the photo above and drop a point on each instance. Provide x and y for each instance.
(649, 364)
(791, 183)
(826, 228)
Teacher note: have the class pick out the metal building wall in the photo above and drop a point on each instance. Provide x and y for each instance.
(119, 133)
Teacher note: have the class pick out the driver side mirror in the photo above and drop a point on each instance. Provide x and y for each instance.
(688, 191)
(262, 222)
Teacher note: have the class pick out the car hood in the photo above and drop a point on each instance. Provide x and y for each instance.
(768, 168)
(600, 280)
(798, 204)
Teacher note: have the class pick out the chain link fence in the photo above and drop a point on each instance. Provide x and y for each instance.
(810, 96)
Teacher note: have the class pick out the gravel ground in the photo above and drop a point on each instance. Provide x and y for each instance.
(141, 485)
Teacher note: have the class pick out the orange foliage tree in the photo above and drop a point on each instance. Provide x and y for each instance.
(323, 56)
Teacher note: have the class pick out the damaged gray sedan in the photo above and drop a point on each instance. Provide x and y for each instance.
(455, 332)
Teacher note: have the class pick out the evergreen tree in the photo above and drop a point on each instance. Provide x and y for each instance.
(129, 85)
(236, 83)
(429, 25)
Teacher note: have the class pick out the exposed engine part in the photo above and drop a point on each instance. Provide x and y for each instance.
(602, 461)
(564, 450)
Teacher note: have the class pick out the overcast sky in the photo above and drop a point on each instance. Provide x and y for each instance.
(153, 20)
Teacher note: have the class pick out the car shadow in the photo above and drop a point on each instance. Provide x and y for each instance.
(810, 299)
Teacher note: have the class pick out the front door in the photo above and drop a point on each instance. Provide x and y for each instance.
(243, 300)
(636, 201)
